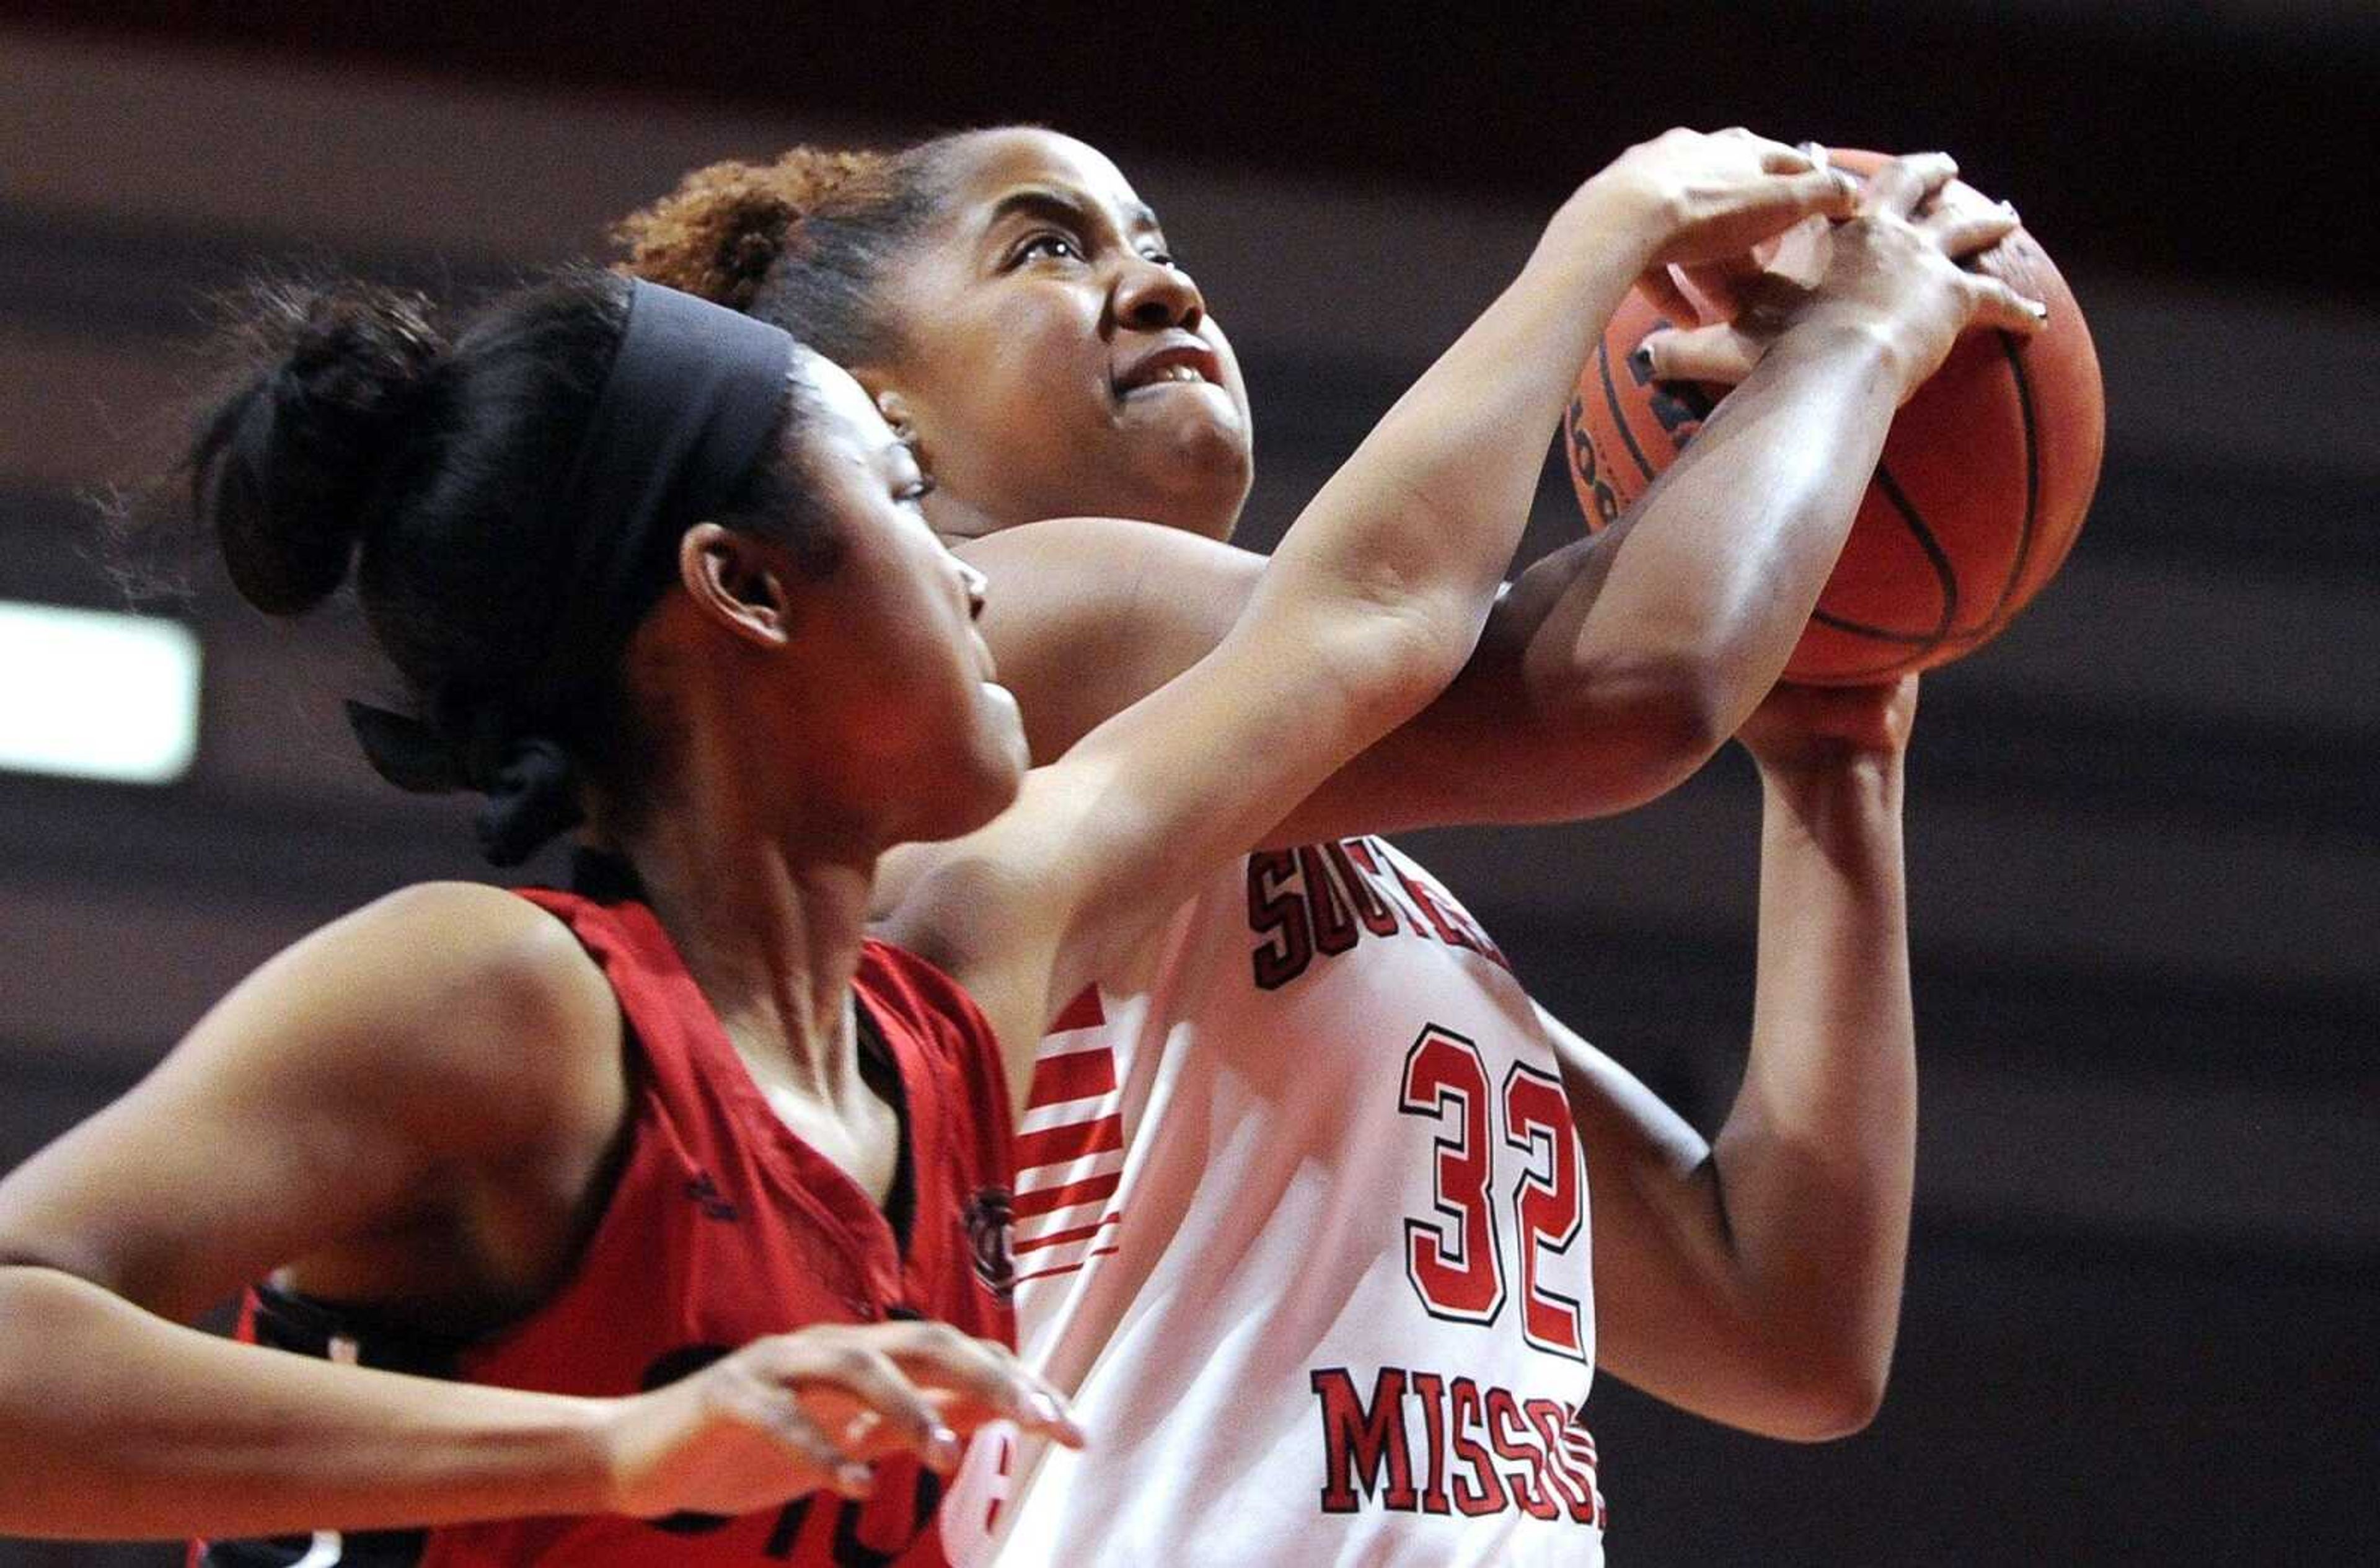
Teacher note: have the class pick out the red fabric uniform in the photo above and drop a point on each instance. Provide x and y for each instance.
(724, 1227)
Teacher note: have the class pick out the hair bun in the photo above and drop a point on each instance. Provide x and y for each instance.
(717, 235)
(289, 470)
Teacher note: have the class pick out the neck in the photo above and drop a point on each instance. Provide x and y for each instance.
(957, 519)
(769, 915)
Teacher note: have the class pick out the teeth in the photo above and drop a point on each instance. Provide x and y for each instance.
(1171, 374)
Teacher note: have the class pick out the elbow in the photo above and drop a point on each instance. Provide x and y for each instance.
(1682, 707)
(1822, 1399)
(1645, 722)
(1844, 1407)
(1677, 701)
(1395, 664)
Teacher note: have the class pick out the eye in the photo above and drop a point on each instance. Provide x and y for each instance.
(1051, 244)
(1162, 256)
(914, 494)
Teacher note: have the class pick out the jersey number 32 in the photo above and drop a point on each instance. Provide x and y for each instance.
(1455, 1258)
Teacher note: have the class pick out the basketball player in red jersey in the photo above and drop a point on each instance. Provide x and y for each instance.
(647, 566)
(1015, 307)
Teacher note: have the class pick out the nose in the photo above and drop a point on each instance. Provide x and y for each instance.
(1152, 295)
(973, 582)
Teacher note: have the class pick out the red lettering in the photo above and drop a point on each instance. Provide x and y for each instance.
(1334, 925)
(1578, 1491)
(1578, 1448)
(1508, 1431)
(1359, 1443)
(1429, 1388)
(1454, 1264)
(1463, 1413)
(1488, 1451)
(1432, 910)
(1372, 909)
(1549, 1201)
(1277, 913)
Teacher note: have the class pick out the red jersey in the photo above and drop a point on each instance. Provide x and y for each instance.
(724, 1227)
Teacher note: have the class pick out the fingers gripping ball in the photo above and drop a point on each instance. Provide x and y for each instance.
(1984, 483)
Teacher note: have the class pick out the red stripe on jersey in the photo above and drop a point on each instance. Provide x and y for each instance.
(1078, 1075)
(1048, 1200)
(1066, 1268)
(1064, 1146)
(1083, 1013)
(1060, 1238)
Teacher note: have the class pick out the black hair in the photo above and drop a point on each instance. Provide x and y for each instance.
(359, 437)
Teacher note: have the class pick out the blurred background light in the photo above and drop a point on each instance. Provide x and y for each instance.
(88, 695)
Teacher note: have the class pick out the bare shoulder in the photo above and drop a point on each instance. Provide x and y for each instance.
(1087, 553)
(1054, 581)
(338, 1093)
(1086, 616)
(464, 1009)
(497, 953)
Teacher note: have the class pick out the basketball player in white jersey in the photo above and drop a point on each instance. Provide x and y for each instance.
(1302, 1220)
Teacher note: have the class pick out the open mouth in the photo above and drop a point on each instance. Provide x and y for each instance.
(1181, 363)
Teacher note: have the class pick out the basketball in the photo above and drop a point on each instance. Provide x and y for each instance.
(1981, 488)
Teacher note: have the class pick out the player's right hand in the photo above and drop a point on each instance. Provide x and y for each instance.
(808, 1410)
(1805, 730)
(1894, 272)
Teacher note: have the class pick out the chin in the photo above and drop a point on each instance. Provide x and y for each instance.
(1199, 485)
(978, 788)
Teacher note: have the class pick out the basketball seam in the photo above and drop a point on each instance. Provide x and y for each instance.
(1999, 615)
(1619, 417)
(1935, 556)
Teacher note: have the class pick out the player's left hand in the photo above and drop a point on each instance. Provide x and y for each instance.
(1686, 197)
(1906, 267)
(1803, 729)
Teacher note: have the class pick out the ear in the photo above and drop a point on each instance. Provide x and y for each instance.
(734, 583)
(892, 405)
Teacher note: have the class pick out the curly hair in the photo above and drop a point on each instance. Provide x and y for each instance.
(802, 242)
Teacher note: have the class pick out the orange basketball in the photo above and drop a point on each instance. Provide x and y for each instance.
(1983, 486)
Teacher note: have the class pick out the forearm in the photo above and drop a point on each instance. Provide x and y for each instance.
(120, 1425)
(1705, 585)
(1425, 515)
(1814, 1165)
(1617, 665)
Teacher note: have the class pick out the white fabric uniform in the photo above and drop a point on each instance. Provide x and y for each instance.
(1301, 1226)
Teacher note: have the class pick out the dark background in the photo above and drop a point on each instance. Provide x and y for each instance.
(2145, 868)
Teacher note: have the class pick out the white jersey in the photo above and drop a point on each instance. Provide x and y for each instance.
(1301, 1226)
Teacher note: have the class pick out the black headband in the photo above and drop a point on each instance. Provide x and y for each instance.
(693, 396)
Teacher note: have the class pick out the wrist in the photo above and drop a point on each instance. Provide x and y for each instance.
(1621, 219)
(587, 1443)
(1838, 339)
(1832, 775)
(1847, 811)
